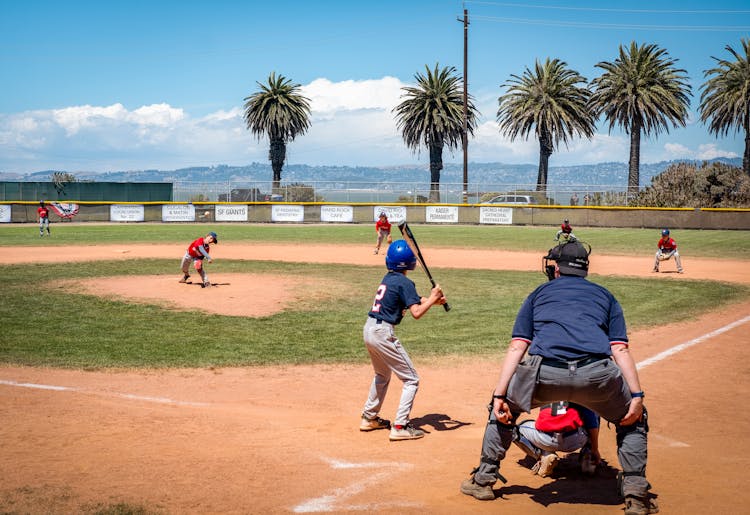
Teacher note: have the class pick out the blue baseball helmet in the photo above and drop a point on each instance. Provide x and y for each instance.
(665, 232)
(400, 257)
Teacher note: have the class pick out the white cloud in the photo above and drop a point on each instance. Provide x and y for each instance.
(710, 151)
(352, 124)
(326, 96)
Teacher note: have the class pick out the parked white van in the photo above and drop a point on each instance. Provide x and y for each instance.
(523, 200)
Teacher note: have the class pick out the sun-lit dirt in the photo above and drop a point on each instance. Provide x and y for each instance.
(286, 439)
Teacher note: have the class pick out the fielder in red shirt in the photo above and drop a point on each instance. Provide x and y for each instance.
(43, 214)
(383, 230)
(198, 251)
(667, 248)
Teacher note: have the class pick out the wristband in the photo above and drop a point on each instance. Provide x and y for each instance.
(637, 394)
(503, 397)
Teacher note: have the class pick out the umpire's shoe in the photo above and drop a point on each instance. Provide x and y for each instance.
(640, 506)
(481, 492)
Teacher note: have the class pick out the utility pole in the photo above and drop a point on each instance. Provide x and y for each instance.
(465, 133)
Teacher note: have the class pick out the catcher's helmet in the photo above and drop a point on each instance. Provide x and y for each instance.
(400, 257)
(665, 232)
(213, 235)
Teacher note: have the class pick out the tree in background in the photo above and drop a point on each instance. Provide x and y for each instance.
(281, 112)
(61, 179)
(432, 115)
(686, 185)
(643, 92)
(551, 100)
(725, 100)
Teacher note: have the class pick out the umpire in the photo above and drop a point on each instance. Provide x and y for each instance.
(575, 334)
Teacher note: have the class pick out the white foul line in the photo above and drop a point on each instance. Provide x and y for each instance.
(694, 341)
(130, 396)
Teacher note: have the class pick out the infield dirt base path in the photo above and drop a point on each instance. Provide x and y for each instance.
(286, 439)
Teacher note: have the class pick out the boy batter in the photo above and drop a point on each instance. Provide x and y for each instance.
(394, 296)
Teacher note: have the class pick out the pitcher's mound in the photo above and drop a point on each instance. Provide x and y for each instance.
(252, 295)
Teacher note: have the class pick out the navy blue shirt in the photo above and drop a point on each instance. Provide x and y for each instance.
(395, 293)
(570, 318)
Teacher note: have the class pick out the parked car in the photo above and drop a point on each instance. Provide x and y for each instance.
(522, 200)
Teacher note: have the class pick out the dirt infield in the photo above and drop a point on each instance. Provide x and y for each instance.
(280, 440)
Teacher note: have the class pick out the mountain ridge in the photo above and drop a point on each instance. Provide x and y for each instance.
(606, 173)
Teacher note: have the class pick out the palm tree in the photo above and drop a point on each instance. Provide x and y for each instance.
(432, 115)
(281, 112)
(552, 101)
(725, 100)
(643, 92)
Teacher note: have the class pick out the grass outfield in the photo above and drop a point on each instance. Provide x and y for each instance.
(50, 327)
(615, 241)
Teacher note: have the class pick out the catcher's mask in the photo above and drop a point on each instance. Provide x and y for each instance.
(572, 258)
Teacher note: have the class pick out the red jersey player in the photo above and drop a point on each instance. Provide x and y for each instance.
(43, 214)
(198, 251)
(667, 248)
(383, 230)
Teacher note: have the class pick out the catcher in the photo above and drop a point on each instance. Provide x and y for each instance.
(667, 248)
(383, 230)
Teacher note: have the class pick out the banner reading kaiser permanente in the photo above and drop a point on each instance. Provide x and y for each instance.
(178, 213)
(336, 214)
(126, 213)
(285, 213)
(231, 213)
(441, 214)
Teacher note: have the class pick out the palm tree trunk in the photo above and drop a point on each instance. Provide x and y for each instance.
(746, 155)
(277, 154)
(436, 164)
(634, 178)
(545, 150)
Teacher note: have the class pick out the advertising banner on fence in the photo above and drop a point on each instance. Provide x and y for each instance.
(441, 214)
(231, 213)
(496, 215)
(178, 213)
(336, 214)
(284, 213)
(395, 214)
(4, 213)
(126, 212)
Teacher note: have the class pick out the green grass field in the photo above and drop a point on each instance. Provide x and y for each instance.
(45, 325)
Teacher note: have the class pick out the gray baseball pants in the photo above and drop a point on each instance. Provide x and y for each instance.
(598, 386)
(388, 357)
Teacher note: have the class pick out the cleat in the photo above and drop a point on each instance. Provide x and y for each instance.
(185, 278)
(371, 424)
(546, 465)
(407, 432)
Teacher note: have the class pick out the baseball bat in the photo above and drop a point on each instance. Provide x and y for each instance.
(412, 242)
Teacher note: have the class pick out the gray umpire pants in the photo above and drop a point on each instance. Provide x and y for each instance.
(598, 386)
(388, 357)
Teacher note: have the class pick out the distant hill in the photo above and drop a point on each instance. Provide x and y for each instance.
(480, 174)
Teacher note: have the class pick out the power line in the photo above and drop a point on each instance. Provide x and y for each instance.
(679, 28)
(601, 9)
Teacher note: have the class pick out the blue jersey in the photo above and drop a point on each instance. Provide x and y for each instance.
(570, 318)
(395, 293)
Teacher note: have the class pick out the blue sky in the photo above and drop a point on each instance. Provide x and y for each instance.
(105, 86)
